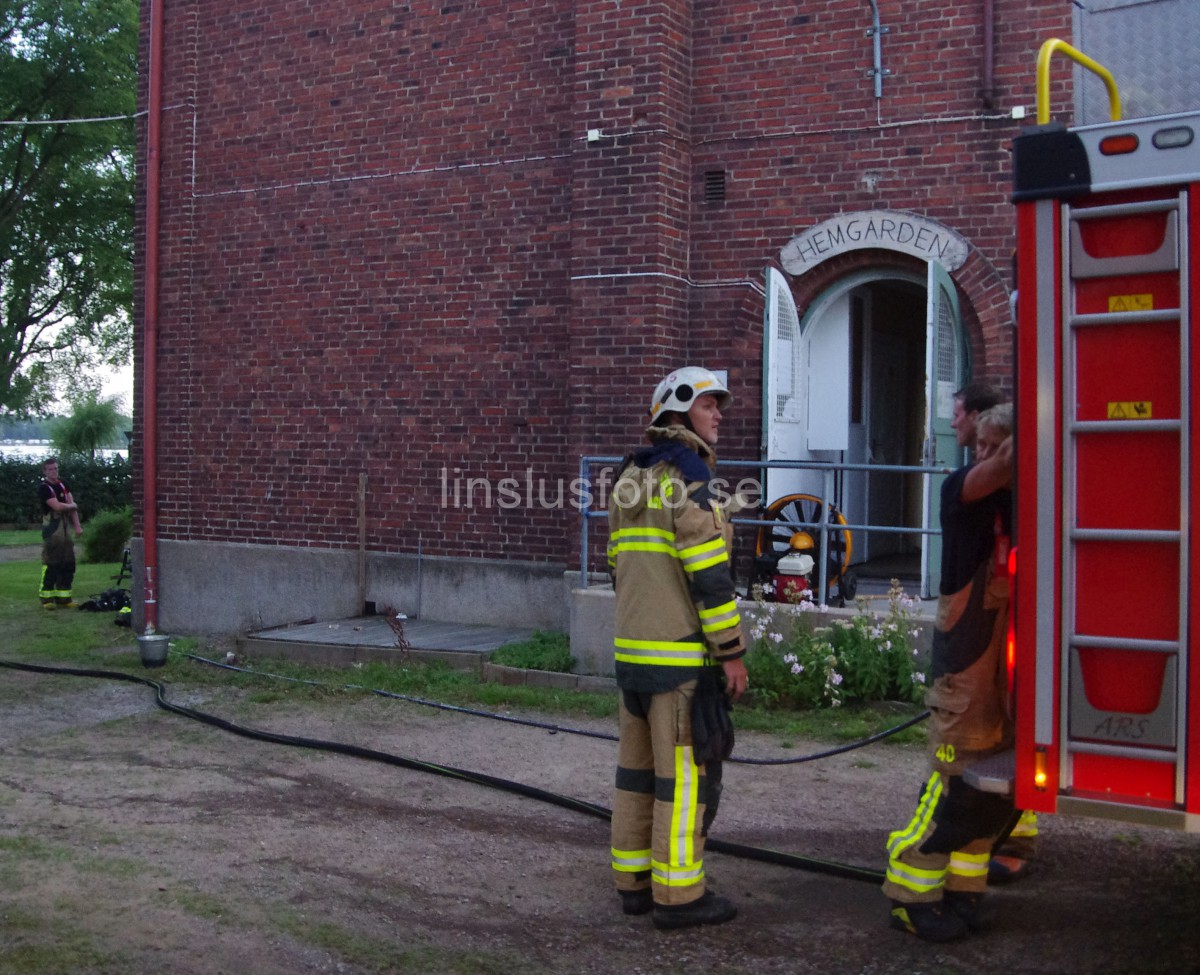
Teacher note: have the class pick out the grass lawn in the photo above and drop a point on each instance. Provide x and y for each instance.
(64, 636)
(75, 638)
(23, 536)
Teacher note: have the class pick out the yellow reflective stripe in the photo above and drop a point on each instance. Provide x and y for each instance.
(915, 879)
(670, 876)
(647, 531)
(969, 864)
(704, 555)
(1026, 825)
(682, 869)
(642, 540)
(630, 861)
(666, 548)
(720, 617)
(902, 839)
(663, 653)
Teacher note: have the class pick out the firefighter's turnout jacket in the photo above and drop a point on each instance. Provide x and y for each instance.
(669, 544)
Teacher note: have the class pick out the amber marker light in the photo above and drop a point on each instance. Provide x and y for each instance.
(1118, 145)
(1010, 637)
(1039, 769)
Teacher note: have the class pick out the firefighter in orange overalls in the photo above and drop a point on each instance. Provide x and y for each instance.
(938, 864)
(677, 630)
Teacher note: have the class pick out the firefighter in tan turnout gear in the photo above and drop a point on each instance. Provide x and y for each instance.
(938, 864)
(678, 634)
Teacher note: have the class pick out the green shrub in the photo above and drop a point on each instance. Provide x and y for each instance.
(542, 651)
(98, 485)
(107, 535)
(864, 658)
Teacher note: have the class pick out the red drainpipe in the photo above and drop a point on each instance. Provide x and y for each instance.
(150, 327)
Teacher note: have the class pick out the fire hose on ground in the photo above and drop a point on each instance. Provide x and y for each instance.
(797, 861)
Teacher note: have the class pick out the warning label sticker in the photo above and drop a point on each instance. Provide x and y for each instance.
(1139, 410)
(1130, 303)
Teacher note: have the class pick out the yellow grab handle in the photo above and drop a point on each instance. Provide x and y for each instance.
(1049, 49)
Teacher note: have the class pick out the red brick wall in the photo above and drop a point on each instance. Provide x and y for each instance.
(388, 247)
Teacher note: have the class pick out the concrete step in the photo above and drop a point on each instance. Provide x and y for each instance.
(369, 638)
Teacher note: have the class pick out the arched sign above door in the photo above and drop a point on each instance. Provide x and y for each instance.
(890, 229)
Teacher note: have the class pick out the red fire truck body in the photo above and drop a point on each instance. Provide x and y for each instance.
(1105, 611)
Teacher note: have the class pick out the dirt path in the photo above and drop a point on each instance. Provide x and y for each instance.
(20, 553)
(135, 841)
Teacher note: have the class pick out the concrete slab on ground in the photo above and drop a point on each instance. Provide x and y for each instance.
(370, 638)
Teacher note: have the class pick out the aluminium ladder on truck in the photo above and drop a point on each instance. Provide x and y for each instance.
(1106, 622)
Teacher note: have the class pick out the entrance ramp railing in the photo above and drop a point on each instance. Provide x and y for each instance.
(594, 501)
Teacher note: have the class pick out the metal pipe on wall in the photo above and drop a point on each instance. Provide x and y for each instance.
(987, 88)
(876, 31)
(150, 325)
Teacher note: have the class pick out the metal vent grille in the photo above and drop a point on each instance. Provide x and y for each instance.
(714, 186)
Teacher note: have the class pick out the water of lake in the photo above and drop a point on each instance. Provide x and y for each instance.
(34, 450)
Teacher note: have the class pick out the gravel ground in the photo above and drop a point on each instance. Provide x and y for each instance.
(133, 840)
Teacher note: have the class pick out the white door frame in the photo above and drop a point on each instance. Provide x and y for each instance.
(788, 387)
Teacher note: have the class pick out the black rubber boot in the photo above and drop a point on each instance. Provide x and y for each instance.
(637, 901)
(929, 922)
(710, 908)
(969, 907)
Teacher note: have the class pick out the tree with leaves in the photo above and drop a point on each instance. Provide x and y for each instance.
(93, 422)
(68, 80)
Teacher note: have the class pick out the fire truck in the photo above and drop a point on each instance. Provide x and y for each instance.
(1106, 570)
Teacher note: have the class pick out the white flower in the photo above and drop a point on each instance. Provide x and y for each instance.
(777, 637)
(887, 644)
(790, 658)
(797, 668)
(918, 677)
(836, 678)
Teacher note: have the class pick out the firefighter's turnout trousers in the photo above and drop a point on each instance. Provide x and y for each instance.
(948, 842)
(659, 808)
(58, 561)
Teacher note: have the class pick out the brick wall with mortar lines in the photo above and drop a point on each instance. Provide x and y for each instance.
(388, 248)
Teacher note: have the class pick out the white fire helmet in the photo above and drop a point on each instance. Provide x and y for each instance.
(679, 391)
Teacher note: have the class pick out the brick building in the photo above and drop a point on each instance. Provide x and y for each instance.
(411, 255)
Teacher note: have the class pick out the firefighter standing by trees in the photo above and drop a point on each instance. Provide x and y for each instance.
(60, 515)
(677, 632)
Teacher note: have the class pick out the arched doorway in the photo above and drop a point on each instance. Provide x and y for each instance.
(865, 375)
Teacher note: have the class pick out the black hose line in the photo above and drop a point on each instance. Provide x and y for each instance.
(557, 729)
(440, 705)
(829, 867)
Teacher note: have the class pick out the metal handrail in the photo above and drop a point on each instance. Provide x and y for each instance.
(1056, 46)
(587, 512)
